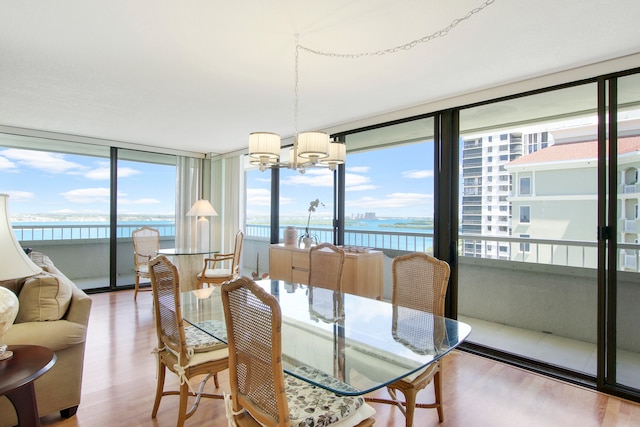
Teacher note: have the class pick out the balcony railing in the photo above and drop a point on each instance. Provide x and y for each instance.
(47, 232)
(540, 251)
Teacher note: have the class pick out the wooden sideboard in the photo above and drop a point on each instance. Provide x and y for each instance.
(361, 273)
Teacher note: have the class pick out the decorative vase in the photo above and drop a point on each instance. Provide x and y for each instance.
(307, 241)
(290, 236)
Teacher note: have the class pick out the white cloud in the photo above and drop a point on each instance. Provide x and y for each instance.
(44, 161)
(18, 196)
(147, 201)
(258, 197)
(418, 174)
(366, 187)
(6, 164)
(104, 173)
(394, 200)
(312, 178)
(358, 169)
(87, 195)
(355, 182)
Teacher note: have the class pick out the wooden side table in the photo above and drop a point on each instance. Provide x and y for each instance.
(17, 375)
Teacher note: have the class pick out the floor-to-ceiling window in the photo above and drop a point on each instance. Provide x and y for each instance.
(146, 196)
(258, 222)
(625, 367)
(527, 277)
(389, 190)
(61, 203)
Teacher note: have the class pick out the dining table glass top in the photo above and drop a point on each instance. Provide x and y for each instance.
(341, 342)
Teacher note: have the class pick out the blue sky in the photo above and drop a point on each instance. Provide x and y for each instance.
(392, 182)
(54, 183)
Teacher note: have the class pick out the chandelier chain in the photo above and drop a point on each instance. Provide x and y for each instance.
(404, 47)
(407, 46)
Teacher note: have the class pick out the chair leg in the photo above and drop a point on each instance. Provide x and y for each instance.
(137, 286)
(410, 399)
(437, 387)
(182, 410)
(159, 389)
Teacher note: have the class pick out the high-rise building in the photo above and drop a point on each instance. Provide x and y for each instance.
(486, 186)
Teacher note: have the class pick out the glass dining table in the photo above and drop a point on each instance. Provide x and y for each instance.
(344, 343)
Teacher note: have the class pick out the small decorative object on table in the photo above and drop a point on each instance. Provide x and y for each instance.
(306, 238)
(8, 312)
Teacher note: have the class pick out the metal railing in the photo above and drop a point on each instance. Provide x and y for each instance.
(48, 232)
(539, 251)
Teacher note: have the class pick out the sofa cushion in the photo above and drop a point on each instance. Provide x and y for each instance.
(44, 297)
(41, 260)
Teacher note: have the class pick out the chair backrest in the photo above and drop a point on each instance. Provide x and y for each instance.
(237, 251)
(325, 266)
(254, 326)
(168, 312)
(146, 242)
(420, 281)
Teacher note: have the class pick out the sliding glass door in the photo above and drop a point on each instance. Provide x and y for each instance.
(527, 253)
(145, 197)
(623, 369)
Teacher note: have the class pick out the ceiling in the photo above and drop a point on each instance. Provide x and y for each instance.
(200, 75)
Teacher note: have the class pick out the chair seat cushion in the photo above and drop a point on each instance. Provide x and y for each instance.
(313, 406)
(214, 273)
(200, 341)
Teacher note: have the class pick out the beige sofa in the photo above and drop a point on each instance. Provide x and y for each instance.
(53, 313)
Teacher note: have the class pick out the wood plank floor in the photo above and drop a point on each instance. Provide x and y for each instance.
(119, 385)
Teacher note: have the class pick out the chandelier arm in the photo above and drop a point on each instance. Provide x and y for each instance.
(407, 46)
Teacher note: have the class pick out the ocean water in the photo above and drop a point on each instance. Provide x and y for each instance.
(389, 233)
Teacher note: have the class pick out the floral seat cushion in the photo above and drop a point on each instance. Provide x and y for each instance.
(310, 405)
(201, 342)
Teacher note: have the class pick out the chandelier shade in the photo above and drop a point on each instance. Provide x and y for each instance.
(264, 146)
(313, 145)
(337, 155)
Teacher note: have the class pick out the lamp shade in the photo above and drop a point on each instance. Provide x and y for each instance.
(202, 208)
(337, 154)
(313, 145)
(14, 262)
(264, 145)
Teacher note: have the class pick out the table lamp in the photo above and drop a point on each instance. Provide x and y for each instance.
(202, 209)
(14, 264)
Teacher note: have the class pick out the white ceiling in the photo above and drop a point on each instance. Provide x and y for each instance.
(200, 75)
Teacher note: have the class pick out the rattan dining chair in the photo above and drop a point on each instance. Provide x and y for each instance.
(186, 351)
(260, 391)
(419, 282)
(325, 266)
(146, 243)
(215, 273)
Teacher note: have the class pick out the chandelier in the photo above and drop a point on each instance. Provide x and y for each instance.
(310, 149)
(313, 149)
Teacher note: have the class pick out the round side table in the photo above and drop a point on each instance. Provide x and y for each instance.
(17, 375)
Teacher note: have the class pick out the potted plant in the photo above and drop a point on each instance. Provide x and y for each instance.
(306, 238)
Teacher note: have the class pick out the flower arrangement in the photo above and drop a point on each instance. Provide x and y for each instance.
(312, 208)
(313, 205)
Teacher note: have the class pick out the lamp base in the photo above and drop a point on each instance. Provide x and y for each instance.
(6, 355)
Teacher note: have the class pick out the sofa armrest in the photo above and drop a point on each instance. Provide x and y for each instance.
(79, 308)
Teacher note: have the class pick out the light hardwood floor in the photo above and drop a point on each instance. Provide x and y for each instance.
(119, 385)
